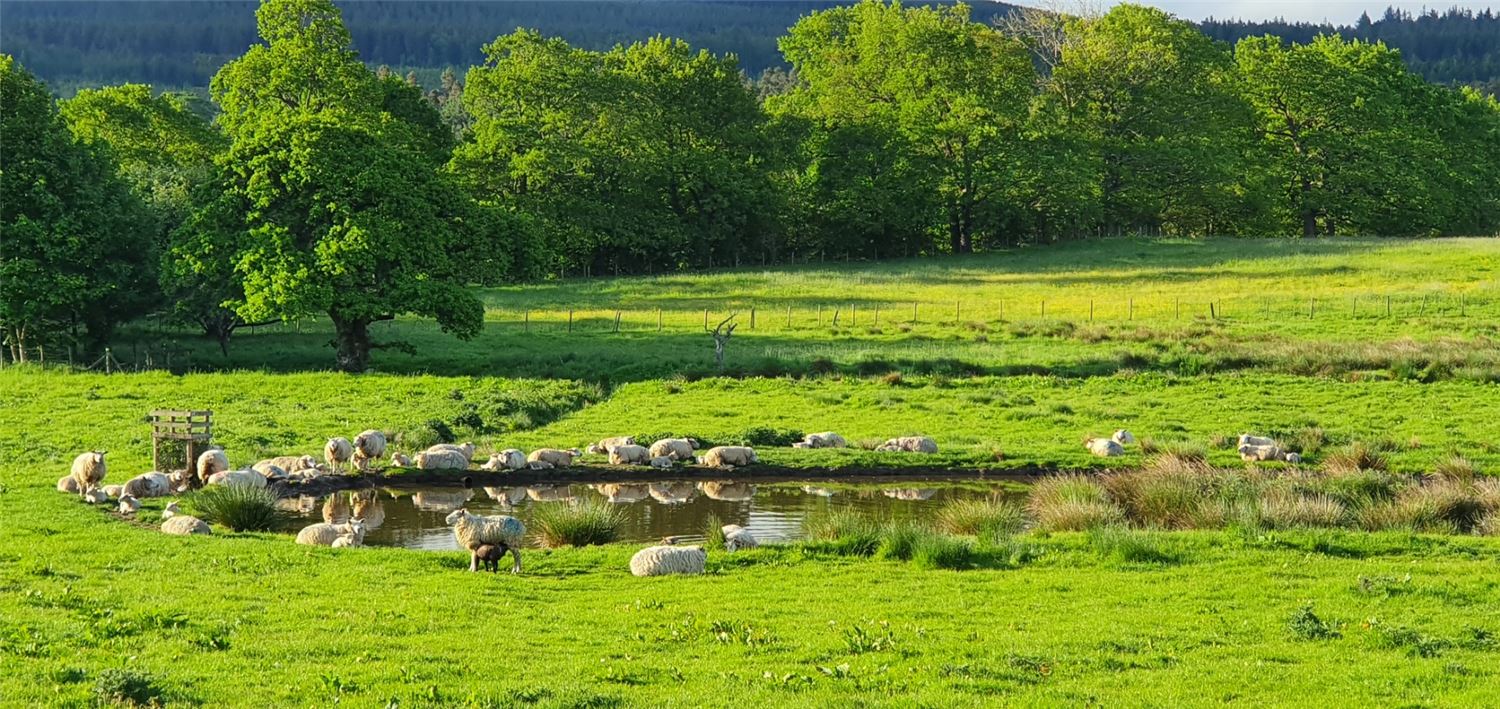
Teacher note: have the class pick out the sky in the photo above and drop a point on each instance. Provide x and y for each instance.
(1338, 12)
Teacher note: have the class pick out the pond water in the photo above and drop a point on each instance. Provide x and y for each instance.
(773, 511)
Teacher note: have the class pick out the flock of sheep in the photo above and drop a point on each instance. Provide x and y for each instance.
(1251, 448)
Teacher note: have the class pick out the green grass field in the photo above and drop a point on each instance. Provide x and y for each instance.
(1162, 618)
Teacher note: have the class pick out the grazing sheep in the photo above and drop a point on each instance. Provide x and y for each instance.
(184, 525)
(550, 493)
(441, 460)
(88, 471)
(727, 456)
(95, 497)
(675, 448)
(910, 444)
(1104, 447)
(1249, 440)
(368, 445)
(623, 492)
(727, 491)
(336, 509)
(129, 505)
(473, 531)
(603, 446)
(337, 451)
(1294, 458)
(152, 484)
(910, 493)
(672, 493)
(662, 462)
(629, 454)
(558, 458)
(737, 538)
(242, 478)
(324, 534)
(664, 560)
(210, 462)
(67, 484)
(488, 556)
(1255, 453)
(826, 439)
(114, 491)
(1123, 437)
(170, 510)
(400, 460)
(465, 449)
(430, 501)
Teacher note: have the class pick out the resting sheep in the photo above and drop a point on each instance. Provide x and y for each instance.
(129, 505)
(1249, 440)
(67, 484)
(674, 448)
(170, 511)
(347, 540)
(664, 560)
(1255, 453)
(1123, 437)
(550, 493)
(508, 459)
(1294, 458)
(473, 531)
(910, 444)
(152, 484)
(662, 462)
(337, 451)
(737, 538)
(95, 497)
(323, 534)
(539, 465)
(400, 460)
(433, 501)
(285, 463)
(466, 450)
(1104, 447)
(210, 462)
(629, 454)
(185, 525)
(441, 460)
(114, 491)
(88, 471)
(603, 446)
(240, 478)
(368, 445)
(728, 457)
(826, 439)
(558, 458)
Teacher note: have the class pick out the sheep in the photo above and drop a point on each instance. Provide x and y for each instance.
(368, 507)
(285, 464)
(909, 444)
(430, 501)
(629, 454)
(727, 491)
(185, 525)
(1104, 447)
(336, 509)
(440, 460)
(663, 560)
(95, 497)
(623, 492)
(211, 461)
(368, 445)
(558, 458)
(179, 480)
(324, 534)
(1254, 453)
(910, 493)
(88, 471)
(170, 510)
(539, 465)
(603, 446)
(152, 484)
(826, 439)
(675, 448)
(466, 450)
(662, 462)
(129, 505)
(1249, 440)
(347, 540)
(337, 451)
(672, 493)
(508, 459)
(737, 538)
(1123, 437)
(488, 556)
(1294, 458)
(67, 484)
(114, 491)
(400, 460)
(727, 456)
(473, 531)
(241, 478)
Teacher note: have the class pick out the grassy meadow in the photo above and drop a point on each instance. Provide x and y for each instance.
(94, 607)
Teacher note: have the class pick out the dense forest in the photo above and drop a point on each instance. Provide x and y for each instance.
(315, 185)
(72, 44)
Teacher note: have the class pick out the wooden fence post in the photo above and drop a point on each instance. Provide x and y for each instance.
(570, 320)
(853, 314)
(752, 317)
(1463, 305)
(820, 315)
(1178, 316)
(705, 318)
(658, 319)
(1387, 306)
(789, 317)
(1091, 309)
(1211, 314)
(957, 308)
(914, 312)
(526, 321)
(877, 315)
(1312, 307)
(1044, 308)
(1130, 313)
(617, 321)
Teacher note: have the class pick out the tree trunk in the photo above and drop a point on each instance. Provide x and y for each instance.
(1309, 215)
(353, 344)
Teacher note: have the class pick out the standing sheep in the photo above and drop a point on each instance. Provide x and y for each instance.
(664, 560)
(368, 445)
(185, 525)
(338, 451)
(629, 454)
(558, 458)
(488, 556)
(88, 471)
(603, 446)
(675, 448)
(910, 444)
(210, 462)
(728, 457)
(440, 460)
(473, 531)
(324, 534)
(1104, 447)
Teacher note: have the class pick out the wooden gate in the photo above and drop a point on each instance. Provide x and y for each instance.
(193, 430)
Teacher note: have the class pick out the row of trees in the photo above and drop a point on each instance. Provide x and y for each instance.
(322, 187)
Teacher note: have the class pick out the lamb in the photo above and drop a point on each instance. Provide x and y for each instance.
(324, 534)
(664, 560)
(368, 445)
(728, 456)
(67, 484)
(488, 556)
(661, 462)
(737, 538)
(400, 460)
(337, 451)
(1252, 453)
(286, 464)
(623, 492)
(675, 448)
(1249, 440)
(558, 458)
(1123, 437)
(629, 454)
(347, 540)
(826, 439)
(272, 472)
(129, 505)
(1294, 458)
(95, 497)
(539, 465)
(170, 511)
(179, 480)
(603, 446)
(1104, 447)
(210, 462)
(441, 460)
(466, 450)
(727, 491)
(242, 478)
(473, 531)
(508, 459)
(88, 471)
(185, 525)
(672, 493)
(910, 444)
(152, 484)
(114, 491)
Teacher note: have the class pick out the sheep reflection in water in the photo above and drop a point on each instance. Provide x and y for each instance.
(727, 490)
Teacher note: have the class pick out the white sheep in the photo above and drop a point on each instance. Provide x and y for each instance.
(1294, 458)
(662, 462)
(347, 540)
(171, 510)
(819, 491)
(623, 492)
(675, 448)
(826, 439)
(465, 449)
(88, 471)
(1104, 447)
(1249, 440)
(152, 484)
(337, 451)
(672, 493)
(184, 525)
(727, 491)
(67, 484)
(910, 493)
(629, 454)
(400, 460)
(211, 461)
(179, 480)
(508, 459)
(603, 446)
(473, 531)
(558, 458)
(240, 478)
(1255, 453)
(728, 456)
(114, 491)
(95, 497)
(368, 445)
(324, 534)
(664, 560)
(1123, 437)
(129, 505)
(440, 460)
(910, 444)
(737, 538)
(286, 463)
(539, 465)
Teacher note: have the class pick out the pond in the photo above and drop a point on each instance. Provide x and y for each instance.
(773, 511)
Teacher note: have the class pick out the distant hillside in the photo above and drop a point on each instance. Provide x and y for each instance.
(180, 44)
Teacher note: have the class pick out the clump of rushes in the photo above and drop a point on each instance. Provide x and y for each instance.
(580, 524)
(980, 517)
(239, 507)
(1072, 502)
